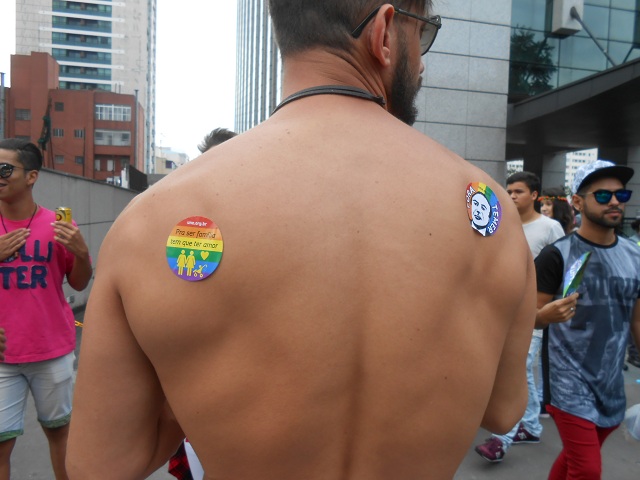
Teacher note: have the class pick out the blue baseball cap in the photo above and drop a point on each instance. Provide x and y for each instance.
(591, 172)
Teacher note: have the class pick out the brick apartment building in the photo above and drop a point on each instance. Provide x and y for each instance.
(92, 133)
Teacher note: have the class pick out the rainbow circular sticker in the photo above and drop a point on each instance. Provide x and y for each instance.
(483, 208)
(194, 248)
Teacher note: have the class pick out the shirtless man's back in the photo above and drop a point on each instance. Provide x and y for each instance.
(328, 344)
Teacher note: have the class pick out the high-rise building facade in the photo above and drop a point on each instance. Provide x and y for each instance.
(259, 67)
(100, 45)
(574, 87)
(548, 53)
(504, 80)
(464, 97)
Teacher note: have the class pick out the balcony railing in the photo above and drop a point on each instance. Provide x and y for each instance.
(69, 8)
(87, 42)
(82, 28)
(86, 76)
(96, 61)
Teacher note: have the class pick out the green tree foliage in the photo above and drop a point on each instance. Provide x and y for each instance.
(531, 66)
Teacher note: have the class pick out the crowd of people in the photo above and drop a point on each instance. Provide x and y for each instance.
(325, 340)
(583, 334)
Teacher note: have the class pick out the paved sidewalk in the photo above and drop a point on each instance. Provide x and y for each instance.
(621, 456)
(30, 459)
(620, 453)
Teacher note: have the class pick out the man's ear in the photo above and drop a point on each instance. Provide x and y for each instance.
(576, 201)
(32, 177)
(535, 194)
(382, 34)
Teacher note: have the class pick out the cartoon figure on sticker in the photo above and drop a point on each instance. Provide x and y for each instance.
(182, 261)
(194, 248)
(483, 209)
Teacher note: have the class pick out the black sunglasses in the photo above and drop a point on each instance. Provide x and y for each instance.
(427, 37)
(6, 169)
(604, 196)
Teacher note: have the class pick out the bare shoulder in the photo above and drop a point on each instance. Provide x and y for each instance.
(452, 174)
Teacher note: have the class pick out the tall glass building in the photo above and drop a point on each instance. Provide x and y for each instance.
(103, 45)
(258, 65)
(544, 58)
(574, 84)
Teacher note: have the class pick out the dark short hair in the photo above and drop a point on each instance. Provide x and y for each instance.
(562, 211)
(28, 154)
(215, 137)
(303, 24)
(531, 180)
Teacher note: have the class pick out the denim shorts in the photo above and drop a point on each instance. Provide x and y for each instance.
(50, 382)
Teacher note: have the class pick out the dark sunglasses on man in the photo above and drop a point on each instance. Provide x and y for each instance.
(429, 33)
(604, 196)
(6, 169)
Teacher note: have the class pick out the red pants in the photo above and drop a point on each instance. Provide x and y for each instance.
(580, 458)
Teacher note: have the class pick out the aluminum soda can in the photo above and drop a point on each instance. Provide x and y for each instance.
(63, 214)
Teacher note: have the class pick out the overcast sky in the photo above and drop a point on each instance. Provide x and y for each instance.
(195, 78)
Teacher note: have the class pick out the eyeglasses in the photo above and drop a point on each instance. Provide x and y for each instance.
(6, 169)
(604, 196)
(427, 37)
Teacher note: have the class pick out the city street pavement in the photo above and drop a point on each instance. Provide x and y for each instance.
(621, 454)
(30, 459)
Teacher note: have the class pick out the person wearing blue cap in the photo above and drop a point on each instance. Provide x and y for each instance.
(583, 352)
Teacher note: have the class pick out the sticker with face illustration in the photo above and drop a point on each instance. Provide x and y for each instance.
(483, 209)
(194, 248)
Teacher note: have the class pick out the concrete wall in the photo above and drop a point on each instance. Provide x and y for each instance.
(33, 29)
(463, 102)
(633, 160)
(554, 170)
(95, 206)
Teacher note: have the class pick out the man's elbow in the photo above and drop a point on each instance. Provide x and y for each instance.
(501, 420)
(79, 285)
(80, 280)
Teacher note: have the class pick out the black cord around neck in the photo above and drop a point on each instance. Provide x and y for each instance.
(331, 90)
(28, 225)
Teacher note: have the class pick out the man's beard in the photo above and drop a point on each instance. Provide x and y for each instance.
(601, 219)
(403, 89)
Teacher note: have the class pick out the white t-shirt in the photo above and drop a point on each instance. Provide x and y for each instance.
(542, 232)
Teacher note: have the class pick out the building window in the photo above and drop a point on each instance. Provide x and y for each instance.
(58, 107)
(23, 114)
(59, 159)
(96, 165)
(112, 137)
(79, 133)
(79, 160)
(58, 132)
(116, 113)
(109, 165)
